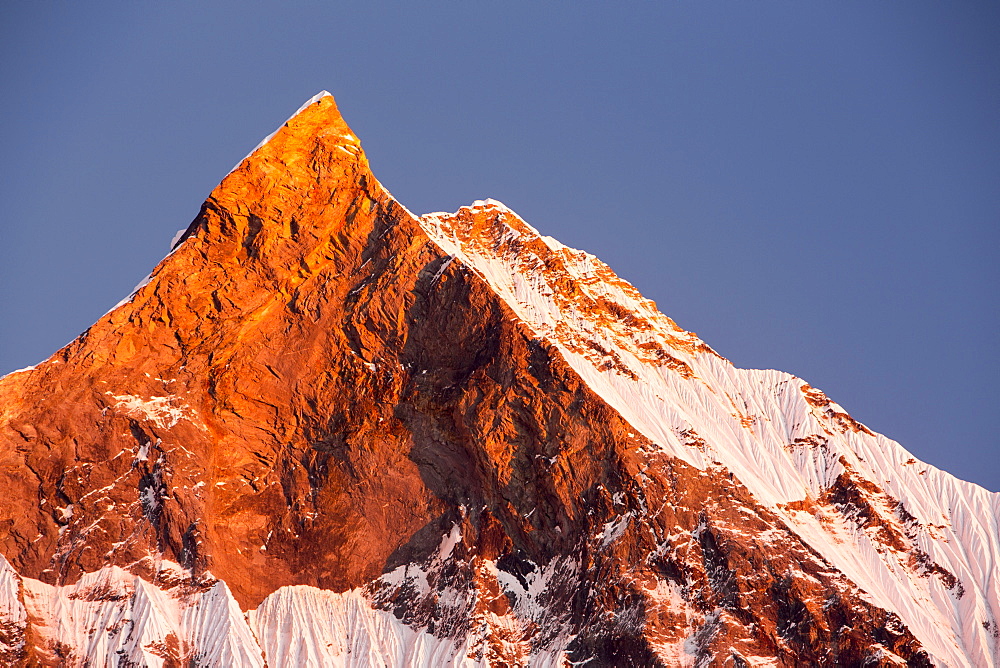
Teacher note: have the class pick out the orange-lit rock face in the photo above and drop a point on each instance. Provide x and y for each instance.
(311, 391)
(235, 401)
(580, 290)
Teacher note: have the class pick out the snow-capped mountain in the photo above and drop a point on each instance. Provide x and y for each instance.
(329, 432)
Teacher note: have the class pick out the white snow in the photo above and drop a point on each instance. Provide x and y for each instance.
(759, 425)
(215, 625)
(776, 435)
(164, 412)
(112, 617)
(13, 616)
(312, 628)
(175, 240)
(22, 370)
(139, 286)
(614, 529)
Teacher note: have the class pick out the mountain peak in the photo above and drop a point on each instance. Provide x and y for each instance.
(317, 115)
(298, 167)
(325, 424)
(316, 98)
(320, 111)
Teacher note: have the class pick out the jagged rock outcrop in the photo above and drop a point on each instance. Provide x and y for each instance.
(448, 440)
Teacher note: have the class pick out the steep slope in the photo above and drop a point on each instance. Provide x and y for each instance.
(448, 440)
(920, 542)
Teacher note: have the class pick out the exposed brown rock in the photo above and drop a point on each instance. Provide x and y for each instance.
(309, 391)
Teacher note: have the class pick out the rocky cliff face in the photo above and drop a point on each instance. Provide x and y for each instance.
(328, 432)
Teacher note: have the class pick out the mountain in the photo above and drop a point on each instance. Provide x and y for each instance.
(327, 431)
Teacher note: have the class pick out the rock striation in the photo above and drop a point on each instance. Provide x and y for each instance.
(327, 432)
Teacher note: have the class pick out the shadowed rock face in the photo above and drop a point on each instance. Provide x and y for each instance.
(310, 391)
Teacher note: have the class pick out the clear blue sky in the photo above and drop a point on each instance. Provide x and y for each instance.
(810, 186)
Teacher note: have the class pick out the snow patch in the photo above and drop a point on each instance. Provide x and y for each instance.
(22, 370)
(162, 411)
(13, 616)
(139, 286)
(113, 618)
(308, 627)
(614, 529)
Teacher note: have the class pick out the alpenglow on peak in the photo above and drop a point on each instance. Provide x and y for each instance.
(329, 432)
